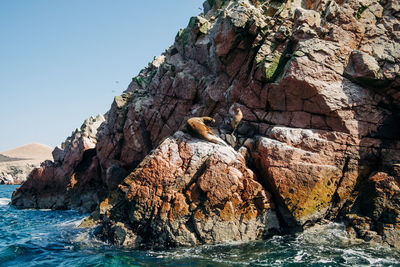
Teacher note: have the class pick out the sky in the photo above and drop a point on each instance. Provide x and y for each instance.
(62, 61)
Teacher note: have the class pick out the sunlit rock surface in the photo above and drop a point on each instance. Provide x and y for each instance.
(188, 192)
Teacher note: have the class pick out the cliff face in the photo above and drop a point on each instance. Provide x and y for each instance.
(318, 83)
(72, 180)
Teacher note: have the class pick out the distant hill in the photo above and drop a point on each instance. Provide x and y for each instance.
(17, 163)
(32, 151)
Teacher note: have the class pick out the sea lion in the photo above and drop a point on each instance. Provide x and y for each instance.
(236, 116)
(197, 126)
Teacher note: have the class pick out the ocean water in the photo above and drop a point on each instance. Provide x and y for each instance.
(51, 238)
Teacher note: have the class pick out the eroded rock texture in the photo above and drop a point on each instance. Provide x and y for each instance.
(318, 84)
(374, 216)
(73, 180)
(188, 192)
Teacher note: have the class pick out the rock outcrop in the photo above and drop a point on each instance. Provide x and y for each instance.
(16, 164)
(318, 84)
(188, 192)
(72, 180)
(375, 216)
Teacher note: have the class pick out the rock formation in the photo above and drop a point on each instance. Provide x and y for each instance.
(72, 180)
(188, 192)
(318, 84)
(16, 164)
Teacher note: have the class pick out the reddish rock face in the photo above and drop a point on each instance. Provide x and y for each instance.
(189, 192)
(303, 177)
(319, 93)
(72, 181)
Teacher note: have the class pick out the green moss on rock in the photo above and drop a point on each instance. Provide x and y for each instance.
(140, 81)
(299, 54)
(192, 22)
(270, 70)
(359, 12)
(184, 34)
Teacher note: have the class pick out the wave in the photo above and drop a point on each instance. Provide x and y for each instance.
(86, 239)
(4, 201)
(321, 245)
(71, 223)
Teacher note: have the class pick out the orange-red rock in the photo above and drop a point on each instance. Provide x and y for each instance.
(189, 192)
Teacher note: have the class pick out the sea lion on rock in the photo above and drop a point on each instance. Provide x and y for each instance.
(236, 116)
(197, 126)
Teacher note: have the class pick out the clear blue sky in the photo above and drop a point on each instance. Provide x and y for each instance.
(62, 61)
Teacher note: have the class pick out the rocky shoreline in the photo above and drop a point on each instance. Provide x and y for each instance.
(13, 174)
(318, 83)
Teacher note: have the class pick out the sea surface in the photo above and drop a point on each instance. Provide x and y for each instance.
(51, 238)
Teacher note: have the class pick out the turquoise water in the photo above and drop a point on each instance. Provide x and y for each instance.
(50, 238)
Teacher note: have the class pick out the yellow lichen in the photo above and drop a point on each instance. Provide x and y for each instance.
(304, 203)
(199, 215)
(228, 213)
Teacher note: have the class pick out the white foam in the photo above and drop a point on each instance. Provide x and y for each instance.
(299, 256)
(4, 201)
(323, 261)
(86, 239)
(71, 223)
(325, 234)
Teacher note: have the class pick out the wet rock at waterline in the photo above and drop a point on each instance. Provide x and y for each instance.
(72, 180)
(375, 215)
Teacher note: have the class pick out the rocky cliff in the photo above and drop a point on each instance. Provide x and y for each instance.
(318, 83)
(72, 180)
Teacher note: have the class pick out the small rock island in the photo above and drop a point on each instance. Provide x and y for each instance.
(318, 87)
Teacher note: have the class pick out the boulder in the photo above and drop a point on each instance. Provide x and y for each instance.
(188, 192)
(363, 68)
(306, 170)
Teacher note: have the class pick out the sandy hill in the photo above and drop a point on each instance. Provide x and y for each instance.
(17, 163)
(32, 151)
